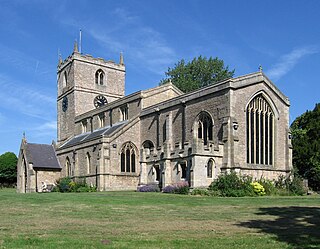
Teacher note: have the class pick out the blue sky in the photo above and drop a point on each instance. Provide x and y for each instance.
(282, 36)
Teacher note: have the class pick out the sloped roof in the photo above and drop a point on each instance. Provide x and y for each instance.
(106, 131)
(42, 156)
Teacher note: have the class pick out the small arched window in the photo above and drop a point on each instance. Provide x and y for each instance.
(68, 167)
(148, 147)
(99, 77)
(88, 159)
(128, 158)
(260, 131)
(205, 126)
(210, 167)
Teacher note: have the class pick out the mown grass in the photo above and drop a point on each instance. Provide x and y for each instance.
(156, 220)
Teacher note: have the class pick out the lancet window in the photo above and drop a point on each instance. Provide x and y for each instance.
(128, 158)
(205, 126)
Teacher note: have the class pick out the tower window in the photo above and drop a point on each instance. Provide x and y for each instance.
(128, 158)
(260, 131)
(99, 77)
(65, 79)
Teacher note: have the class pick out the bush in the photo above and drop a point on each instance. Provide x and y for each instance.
(258, 188)
(232, 185)
(296, 186)
(269, 187)
(178, 188)
(149, 188)
(200, 191)
(66, 184)
(290, 185)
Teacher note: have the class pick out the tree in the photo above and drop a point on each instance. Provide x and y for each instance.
(306, 146)
(8, 168)
(200, 72)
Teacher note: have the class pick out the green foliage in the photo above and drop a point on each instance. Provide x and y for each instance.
(200, 191)
(258, 188)
(200, 72)
(269, 187)
(66, 184)
(8, 169)
(232, 185)
(290, 185)
(306, 146)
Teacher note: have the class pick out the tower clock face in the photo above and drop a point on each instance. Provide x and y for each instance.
(65, 103)
(99, 101)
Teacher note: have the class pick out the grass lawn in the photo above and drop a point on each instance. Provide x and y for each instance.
(156, 220)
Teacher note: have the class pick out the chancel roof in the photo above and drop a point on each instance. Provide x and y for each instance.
(42, 156)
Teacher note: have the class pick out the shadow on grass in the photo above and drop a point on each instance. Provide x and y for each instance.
(299, 227)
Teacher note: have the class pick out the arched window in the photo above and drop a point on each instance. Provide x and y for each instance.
(260, 131)
(210, 167)
(101, 120)
(205, 126)
(68, 167)
(88, 159)
(64, 79)
(99, 77)
(156, 171)
(128, 158)
(148, 147)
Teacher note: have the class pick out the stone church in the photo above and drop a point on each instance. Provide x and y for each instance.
(160, 135)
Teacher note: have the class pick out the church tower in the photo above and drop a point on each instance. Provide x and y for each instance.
(85, 83)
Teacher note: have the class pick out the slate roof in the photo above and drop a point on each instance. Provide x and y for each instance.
(106, 131)
(42, 156)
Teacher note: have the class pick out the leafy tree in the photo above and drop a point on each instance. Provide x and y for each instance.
(200, 72)
(306, 146)
(8, 168)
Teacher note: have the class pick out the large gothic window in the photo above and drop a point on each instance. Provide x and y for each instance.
(99, 77)
(260, 131)
(205, 126)
(128, 158)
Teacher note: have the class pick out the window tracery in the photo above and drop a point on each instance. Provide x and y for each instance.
(260, 131)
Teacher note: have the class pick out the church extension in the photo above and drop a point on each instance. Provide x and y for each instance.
(160, 135)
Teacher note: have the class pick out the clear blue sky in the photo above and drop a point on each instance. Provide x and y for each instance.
(282, 36)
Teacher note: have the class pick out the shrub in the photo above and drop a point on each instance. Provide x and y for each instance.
(296, 186)
(290, 185)
(169, 189)
(232, 185)
(65, 184)
(149, 188)
(200, 191)
(258, 188)
(268, 186)
(178, 188)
